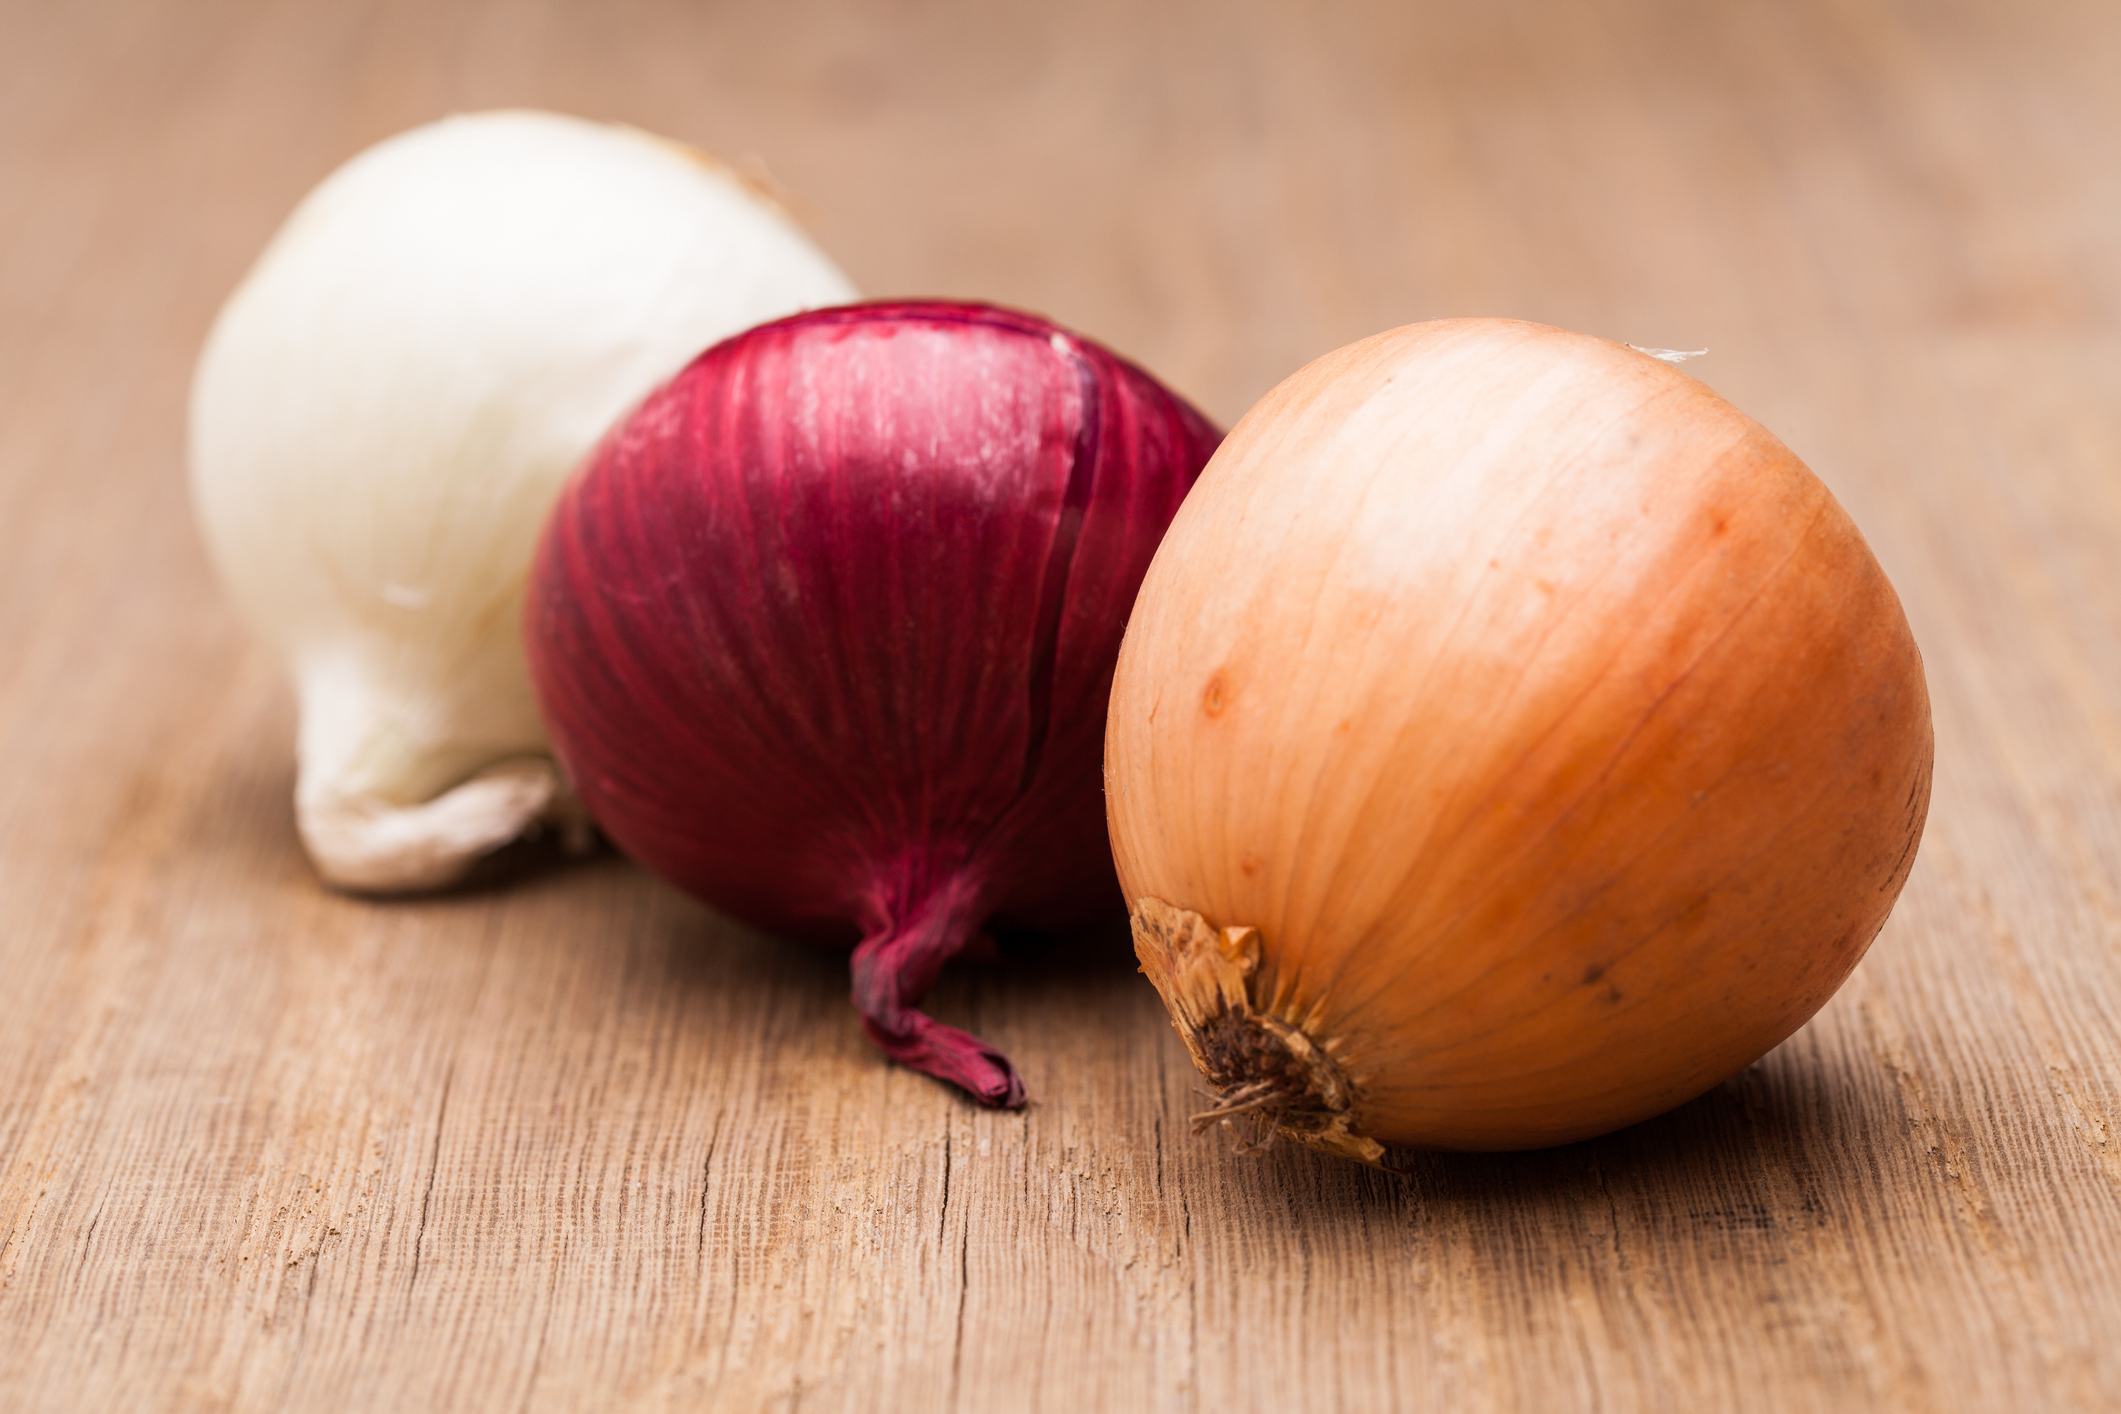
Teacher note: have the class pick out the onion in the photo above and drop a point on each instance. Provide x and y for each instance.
(1511, 741)
(385, 411)
(824, 632)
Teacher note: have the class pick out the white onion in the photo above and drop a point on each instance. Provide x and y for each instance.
(385, 411)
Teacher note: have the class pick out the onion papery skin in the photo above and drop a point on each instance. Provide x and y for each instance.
(824, 634)
(1511, 740)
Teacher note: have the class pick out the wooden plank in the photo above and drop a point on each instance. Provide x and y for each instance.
(567, 1140)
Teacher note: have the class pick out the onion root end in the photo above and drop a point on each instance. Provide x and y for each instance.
(1262, 1065)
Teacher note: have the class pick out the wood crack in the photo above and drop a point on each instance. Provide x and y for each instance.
(434, 1165)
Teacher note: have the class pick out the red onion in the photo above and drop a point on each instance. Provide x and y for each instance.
(824, 634)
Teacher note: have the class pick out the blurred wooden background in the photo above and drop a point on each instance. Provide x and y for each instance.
(569, 1141)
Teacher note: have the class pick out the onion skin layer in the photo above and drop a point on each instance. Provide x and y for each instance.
(1520, 724)
(824, 634)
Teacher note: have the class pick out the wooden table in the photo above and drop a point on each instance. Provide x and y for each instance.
(567, 1140)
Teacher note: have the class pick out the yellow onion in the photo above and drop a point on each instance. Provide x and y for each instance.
(1511, 740)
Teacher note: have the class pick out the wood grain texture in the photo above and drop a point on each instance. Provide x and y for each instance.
(565, 1140)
